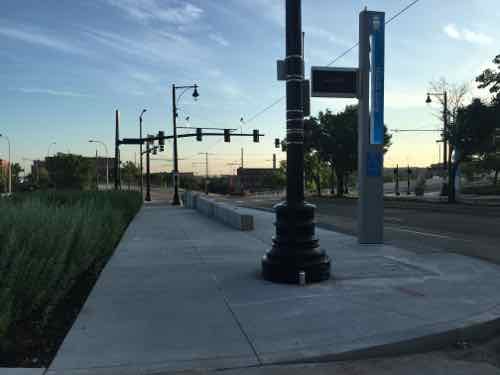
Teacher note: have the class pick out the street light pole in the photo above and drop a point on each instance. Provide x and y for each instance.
(48, 150)
(107, 159)
(176, 201)
(447, 146)
(140, 149)
(295, 254)
(10, 163)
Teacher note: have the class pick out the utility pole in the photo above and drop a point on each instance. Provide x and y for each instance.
(206, 169)
(295, 256)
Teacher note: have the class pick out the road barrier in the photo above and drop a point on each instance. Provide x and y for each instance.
(229, 215)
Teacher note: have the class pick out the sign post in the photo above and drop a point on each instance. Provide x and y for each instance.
(371, 128)
(367, 84)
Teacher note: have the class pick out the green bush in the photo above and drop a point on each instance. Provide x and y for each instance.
(48, 240)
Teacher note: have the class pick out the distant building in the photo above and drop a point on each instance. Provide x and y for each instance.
(254, 179)
(4, 167)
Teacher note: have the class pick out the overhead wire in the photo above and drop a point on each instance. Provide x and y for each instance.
(276, 102)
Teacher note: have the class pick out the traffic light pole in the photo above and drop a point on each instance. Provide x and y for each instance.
(117, 150)
(295, 254)
(148, 172)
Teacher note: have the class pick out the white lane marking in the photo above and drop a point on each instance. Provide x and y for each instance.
(423, 233)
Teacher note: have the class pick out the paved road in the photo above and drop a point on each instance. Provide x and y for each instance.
(416, 226)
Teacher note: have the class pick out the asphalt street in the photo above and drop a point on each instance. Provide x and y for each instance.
(416, 226)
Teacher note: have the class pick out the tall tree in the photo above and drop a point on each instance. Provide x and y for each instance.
(472, 134)
(69, 171)
(337, 143)
(490, 79)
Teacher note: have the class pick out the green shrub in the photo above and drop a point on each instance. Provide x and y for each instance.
(49, 239)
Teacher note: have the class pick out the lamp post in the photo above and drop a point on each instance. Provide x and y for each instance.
(107, 159)
(447, 147)
(176, 201)
(295, 255)
(10, 163)
(140, 149)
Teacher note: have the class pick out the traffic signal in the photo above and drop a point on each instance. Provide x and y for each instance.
(161, 138)
(198, 134)
(154, 150)
(276, 143)
(162, 148)
(227, 135)
(256, 136)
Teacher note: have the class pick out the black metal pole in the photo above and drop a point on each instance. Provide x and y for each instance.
(175, 201)
(409, 175)
(445, 131)
(397, 179)
(295, 254)
(117, 150)
(148, 173)
(140, 155)
(451, 182)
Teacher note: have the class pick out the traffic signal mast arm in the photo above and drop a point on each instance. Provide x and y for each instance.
(138, 141)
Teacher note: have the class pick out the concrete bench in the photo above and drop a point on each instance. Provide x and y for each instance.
(225, 213)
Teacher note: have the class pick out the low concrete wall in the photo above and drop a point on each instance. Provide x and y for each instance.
(229, 215)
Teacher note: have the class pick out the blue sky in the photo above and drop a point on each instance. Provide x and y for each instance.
(67, 65)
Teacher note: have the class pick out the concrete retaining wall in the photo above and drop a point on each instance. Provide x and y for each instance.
(225, 213)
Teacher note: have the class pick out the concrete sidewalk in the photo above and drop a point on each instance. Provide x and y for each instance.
(183, 292)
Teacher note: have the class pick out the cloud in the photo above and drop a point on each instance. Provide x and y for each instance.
(150, 10)
(317, 32)
(40, 39)
(53, 92)
(158, 47)
(143, 77)
(467, 35)
(219, 39)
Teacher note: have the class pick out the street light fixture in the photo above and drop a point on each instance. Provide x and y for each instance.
(176, 201)
(107, 159)
(10, 163)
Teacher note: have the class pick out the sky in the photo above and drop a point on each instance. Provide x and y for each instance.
(67, 65)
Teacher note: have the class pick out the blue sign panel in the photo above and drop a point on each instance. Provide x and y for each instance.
(377, 57)
(374, 164)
